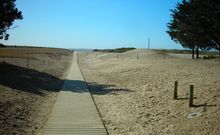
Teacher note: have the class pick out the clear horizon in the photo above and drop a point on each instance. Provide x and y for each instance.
(93, 24)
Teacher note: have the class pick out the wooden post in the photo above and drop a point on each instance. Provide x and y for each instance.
(175, 89)
(117, 56)
(4, 73)
(148, 43)
(137, 56)
(191, 96)
(205, 107)
(43, 62)
(27, 63)
(101, 58)
(164, 56)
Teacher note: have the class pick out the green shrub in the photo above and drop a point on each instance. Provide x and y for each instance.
(1, 45)
(210, 56)
(117, 50)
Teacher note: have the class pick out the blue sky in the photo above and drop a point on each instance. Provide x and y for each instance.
(93, 23)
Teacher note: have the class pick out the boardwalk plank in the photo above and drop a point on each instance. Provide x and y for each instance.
(74, 113)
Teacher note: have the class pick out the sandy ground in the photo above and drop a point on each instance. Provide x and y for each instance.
(27, 95)
(134, 93)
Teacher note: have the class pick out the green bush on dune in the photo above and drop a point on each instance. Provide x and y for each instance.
(209, 57)
(116, 50)
(1, 45)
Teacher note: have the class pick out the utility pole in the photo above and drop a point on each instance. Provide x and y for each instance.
(148, 43)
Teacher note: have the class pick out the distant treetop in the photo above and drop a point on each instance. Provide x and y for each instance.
(117, 50)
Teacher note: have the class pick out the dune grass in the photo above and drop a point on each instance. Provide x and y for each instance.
(27, 53)
(116, 50)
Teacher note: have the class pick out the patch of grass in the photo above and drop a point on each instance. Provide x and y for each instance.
(24, 53)
(210, 56)
(116, 50)
(164, 51)
(213, 53)
(201, 52)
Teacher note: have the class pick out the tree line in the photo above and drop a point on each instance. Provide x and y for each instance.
(195, 24)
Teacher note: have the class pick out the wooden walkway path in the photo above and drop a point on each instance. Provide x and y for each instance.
(74, 113)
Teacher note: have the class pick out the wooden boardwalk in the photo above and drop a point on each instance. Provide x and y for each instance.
(74, 113)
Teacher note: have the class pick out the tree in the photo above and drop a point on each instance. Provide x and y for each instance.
(195, 24)
(214, 24)
(179, 28)
(8, 14)
(199, 23)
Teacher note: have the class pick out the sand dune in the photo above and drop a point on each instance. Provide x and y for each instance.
(28, 94)
(135, 96)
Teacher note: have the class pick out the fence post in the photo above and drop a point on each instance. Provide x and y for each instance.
(43, 62)
(137, 56)
(175, 89)
(191, 95)
(27, 63)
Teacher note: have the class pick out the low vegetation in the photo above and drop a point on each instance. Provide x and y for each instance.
(116, 50)
(28, 52)
(204, 52)
(210, 56)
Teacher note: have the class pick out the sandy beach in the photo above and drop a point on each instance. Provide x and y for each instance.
(134, 92)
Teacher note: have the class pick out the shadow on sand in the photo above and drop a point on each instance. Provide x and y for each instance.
(196, 106)
(28, 80)
(102, 89)
(185, 98)
(94, 88)
(40, 83)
